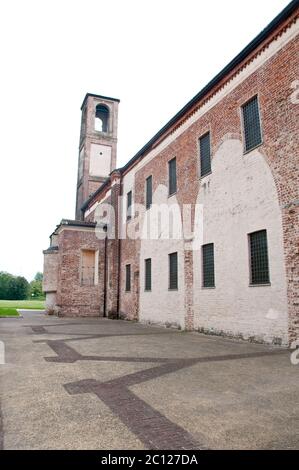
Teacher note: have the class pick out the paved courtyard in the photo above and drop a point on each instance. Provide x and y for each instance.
(104, 384)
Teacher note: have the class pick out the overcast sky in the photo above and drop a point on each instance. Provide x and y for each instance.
(154, 55)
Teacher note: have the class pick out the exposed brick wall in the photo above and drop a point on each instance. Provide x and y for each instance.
(73, 298)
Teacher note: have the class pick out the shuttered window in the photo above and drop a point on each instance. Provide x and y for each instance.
(129, 205)
(172, 184)
(208, 265)
(128, 277)
(173, 271)
(148, 192)
(148, 274)
(251, 124)
(205, 154)
(259, 265)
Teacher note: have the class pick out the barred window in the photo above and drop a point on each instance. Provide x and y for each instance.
(148, 192)
(173, 271)
(172, 183)
(128, 277)
(205, 154)
(148, 274)
(252, 124)
(208, 265)
(129, 205)
(259, 265)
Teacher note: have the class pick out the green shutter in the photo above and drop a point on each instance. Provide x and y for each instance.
(129, 205)
(205, 154)
(259, 265)
(173, 271)
(149, 192)
(128, 277)
(172, 176)
(208, 265)
(148, 274)
(252, 125)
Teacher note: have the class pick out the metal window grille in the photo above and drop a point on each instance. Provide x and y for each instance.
(252, 125)
(149, 192)
(208, 265)
(128, 277)
(129, 205)
(259, 265)
(205, 154)
(172, 176)
(173, 271)
(148, 274)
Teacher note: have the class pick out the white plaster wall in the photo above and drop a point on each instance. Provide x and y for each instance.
(238, 198)
(161, 305)
(50, 303)
(100, 160)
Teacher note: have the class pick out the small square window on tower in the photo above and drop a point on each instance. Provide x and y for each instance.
(251, 124)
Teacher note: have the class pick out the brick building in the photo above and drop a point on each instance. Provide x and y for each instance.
(199, 230)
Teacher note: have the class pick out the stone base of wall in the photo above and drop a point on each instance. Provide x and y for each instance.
(240, 336)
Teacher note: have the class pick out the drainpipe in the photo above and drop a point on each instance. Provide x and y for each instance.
(119, 251)
(105, 272)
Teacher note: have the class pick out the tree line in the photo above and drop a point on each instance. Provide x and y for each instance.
(18, 288)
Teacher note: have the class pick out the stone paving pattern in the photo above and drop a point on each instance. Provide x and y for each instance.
(93, 383)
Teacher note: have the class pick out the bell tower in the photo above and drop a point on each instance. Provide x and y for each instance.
(97, 147)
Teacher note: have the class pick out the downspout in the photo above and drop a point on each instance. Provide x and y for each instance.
(119, 251)
(105, 273)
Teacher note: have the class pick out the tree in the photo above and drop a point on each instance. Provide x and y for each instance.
(36, 290)
(38, 276)
(13, 287)
(21, 288)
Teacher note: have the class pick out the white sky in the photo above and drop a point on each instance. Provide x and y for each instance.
(154, 55)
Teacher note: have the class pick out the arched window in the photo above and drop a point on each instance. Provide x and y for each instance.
(101, 118)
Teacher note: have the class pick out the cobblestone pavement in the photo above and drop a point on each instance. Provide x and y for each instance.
(91, 383)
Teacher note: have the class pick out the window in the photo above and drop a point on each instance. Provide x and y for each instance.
(148, 192)
(251, 124)
(88, 259)
(208, 276)
(172, 186)
(173, 271)
(148, 274)
(128, 277)
(259, 266)
(129, 205)
(205, 154)
(101, 118)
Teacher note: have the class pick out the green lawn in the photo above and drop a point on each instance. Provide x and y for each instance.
(8, 307)
(8, 312)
